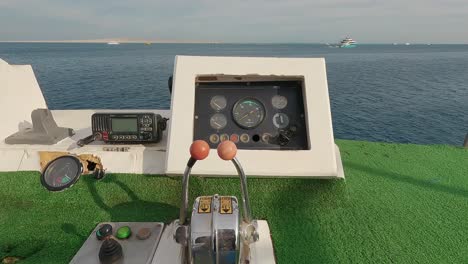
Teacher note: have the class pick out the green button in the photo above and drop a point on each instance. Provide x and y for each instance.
(124, 232)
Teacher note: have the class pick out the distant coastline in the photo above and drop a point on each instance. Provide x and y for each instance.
(112, 40)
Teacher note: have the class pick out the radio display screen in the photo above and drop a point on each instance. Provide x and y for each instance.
(124, 124)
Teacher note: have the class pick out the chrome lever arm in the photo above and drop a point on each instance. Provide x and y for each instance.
(244, 190)
(185, 194)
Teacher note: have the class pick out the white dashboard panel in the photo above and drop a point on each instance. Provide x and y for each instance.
(322, 160)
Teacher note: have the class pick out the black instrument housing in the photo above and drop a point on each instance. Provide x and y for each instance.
(263, 136)
(149, 128)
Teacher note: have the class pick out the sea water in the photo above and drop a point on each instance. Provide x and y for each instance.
(392, 93)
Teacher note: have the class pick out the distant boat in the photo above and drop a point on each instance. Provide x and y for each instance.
(347, 43)
(407, 44)
(113, 43)
(395, 44)
(148, 43)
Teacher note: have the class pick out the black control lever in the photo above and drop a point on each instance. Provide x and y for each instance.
(284, 136)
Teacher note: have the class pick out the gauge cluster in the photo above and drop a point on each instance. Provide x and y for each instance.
(254, 115)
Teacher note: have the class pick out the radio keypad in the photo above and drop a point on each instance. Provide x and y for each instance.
(126, 137)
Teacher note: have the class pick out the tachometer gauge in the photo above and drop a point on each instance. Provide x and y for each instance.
(218, 121)
(279, 101)
(218, 102)
(248, 113)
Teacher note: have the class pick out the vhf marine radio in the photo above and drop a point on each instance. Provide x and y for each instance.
(129, 128)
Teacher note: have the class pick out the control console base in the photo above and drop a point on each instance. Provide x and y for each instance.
(134, 249)
(160, 247)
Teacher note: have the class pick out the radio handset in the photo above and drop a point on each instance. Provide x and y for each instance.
(88, 139)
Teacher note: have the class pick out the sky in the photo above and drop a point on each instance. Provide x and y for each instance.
(248, 21)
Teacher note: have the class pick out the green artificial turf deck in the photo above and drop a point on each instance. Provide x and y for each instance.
(400, 203)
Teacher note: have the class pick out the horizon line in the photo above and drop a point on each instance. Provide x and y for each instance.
(143, 41)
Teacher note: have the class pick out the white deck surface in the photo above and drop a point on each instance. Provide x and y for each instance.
(148, 159)
(140, 159)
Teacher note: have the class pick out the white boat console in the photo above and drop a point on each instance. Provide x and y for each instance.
(276, 110)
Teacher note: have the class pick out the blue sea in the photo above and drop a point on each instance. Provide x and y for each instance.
(408, 94)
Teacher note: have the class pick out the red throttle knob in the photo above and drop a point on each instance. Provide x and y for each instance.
(199, 150)
(227, 150)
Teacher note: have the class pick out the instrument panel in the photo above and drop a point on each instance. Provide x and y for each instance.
(254, 115)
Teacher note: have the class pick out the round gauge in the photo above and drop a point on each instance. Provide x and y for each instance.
(61, 173)
(280, 120)
(248, 113)
(279, 101)
(218, 121)
(218, 102)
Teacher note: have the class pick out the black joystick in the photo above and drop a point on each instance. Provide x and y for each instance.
(110, 252)
(104, 231)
